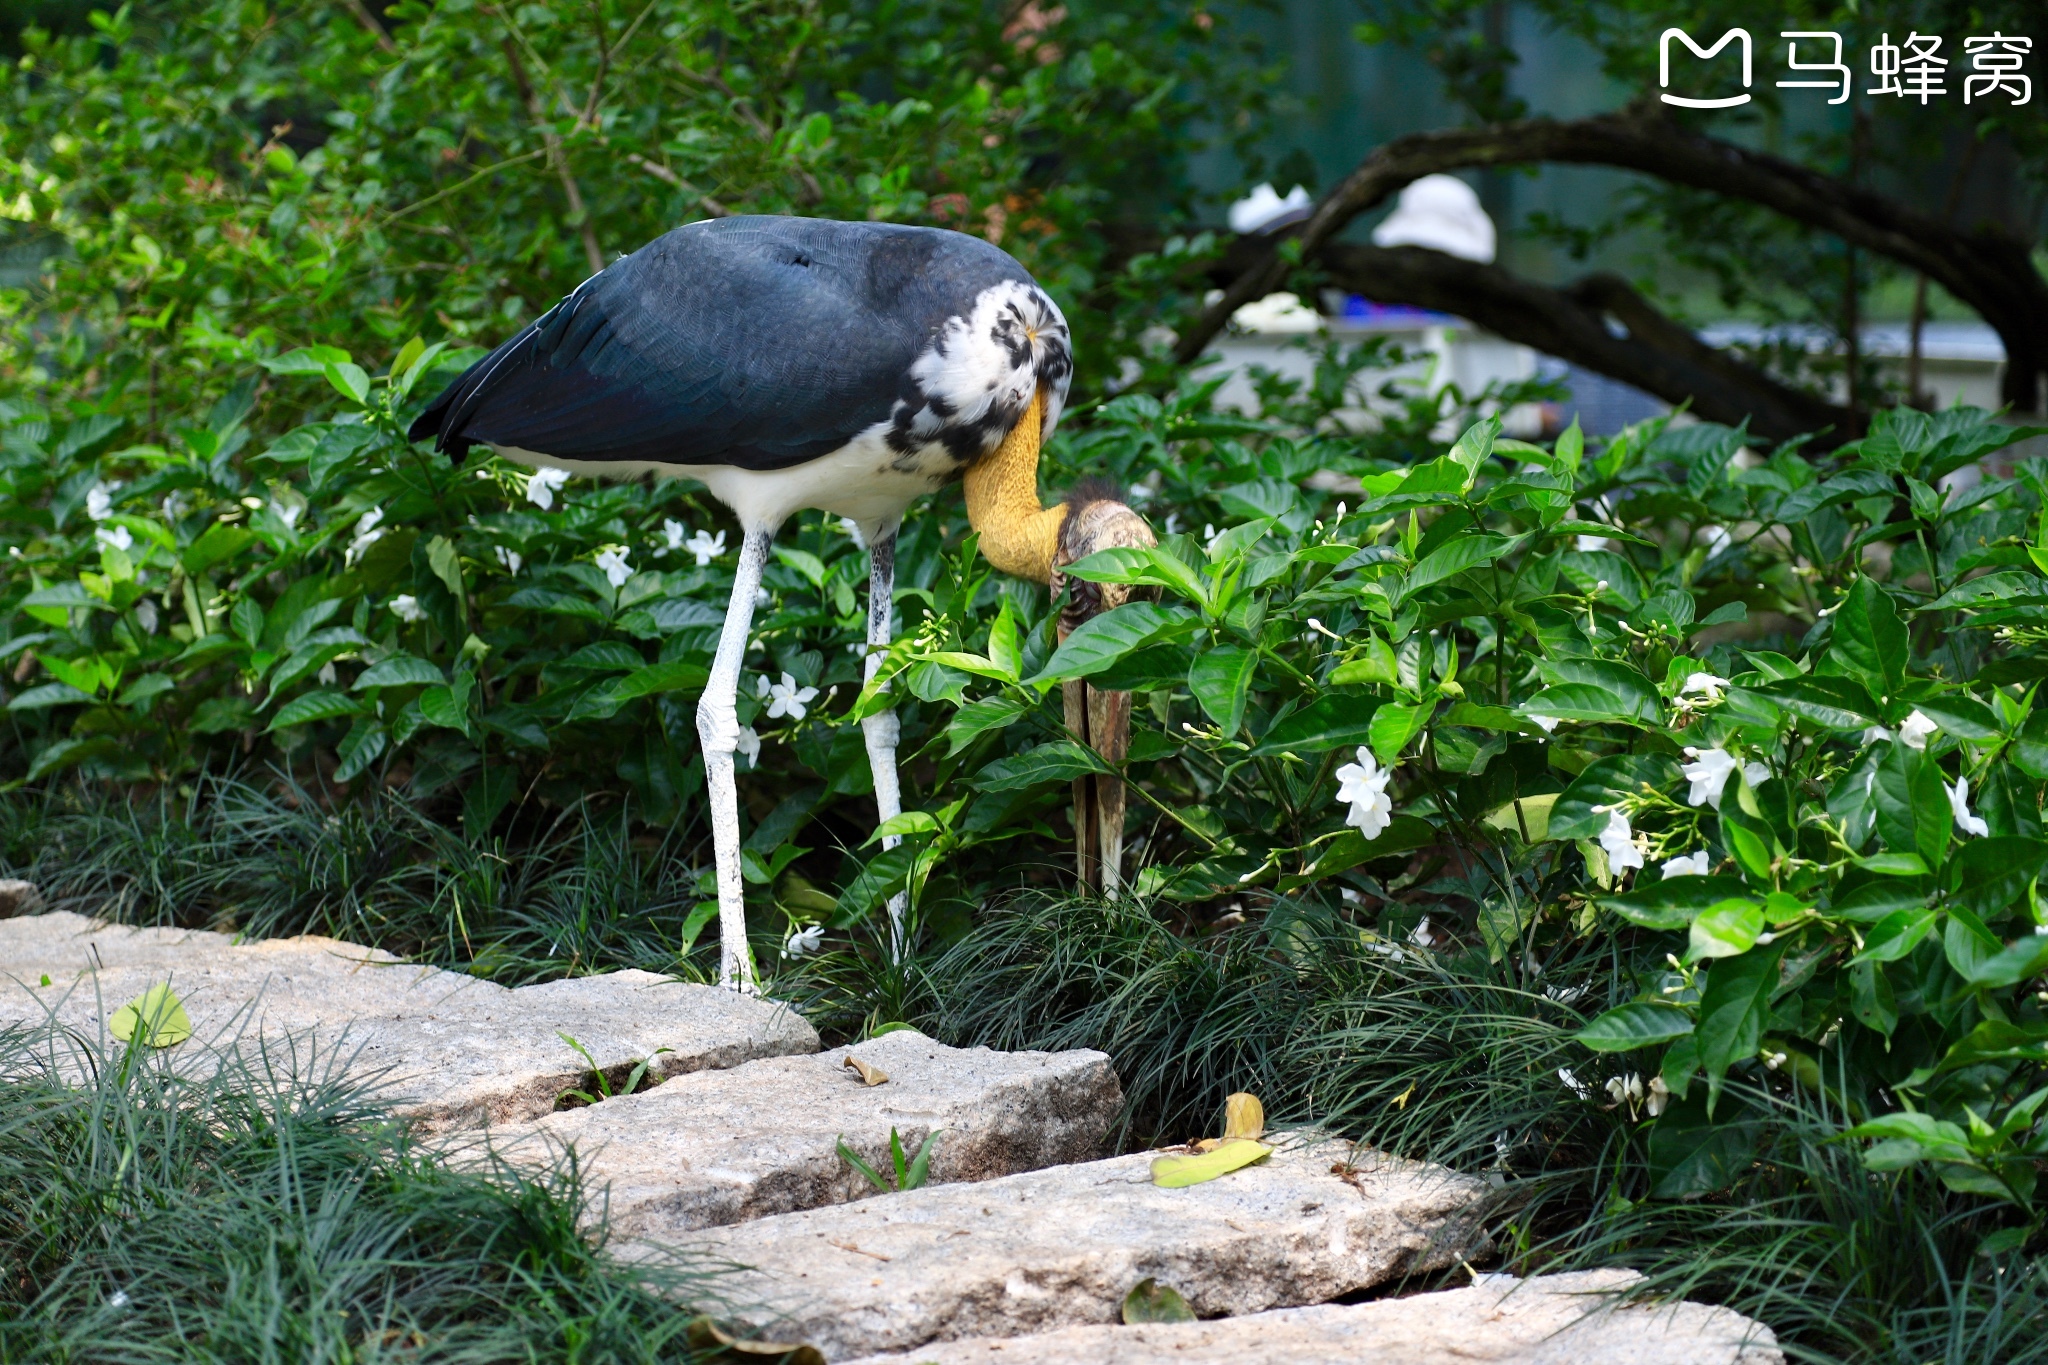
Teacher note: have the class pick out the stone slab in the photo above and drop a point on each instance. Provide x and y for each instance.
(1549, 1320)
(452, 1050)
(1062, 1247)
(717, 1147)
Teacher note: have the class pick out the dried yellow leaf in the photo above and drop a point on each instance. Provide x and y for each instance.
(1243, 1117)
(869, 1075)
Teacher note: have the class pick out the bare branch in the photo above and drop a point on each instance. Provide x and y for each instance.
(1987, 268)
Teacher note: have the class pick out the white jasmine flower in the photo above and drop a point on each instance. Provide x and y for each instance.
(114, 537)
(1363, 787)
(762, 597)
(1209, 537)
(1658, 1098)
(288, 513)
(327, 675)
(706, 546)
(673, 533)
(145, 615)
(846, 524)
(541, 486)
(749, 746)
(1704, 685)
(1591, 544)
(1419, 935)
(1959, 804)
(785, 698)
(1773, 1060)
(1626, 1089)
(367, 534)
(511, 559)
(613, 562)
(1619, 841)
(1573, 1083)
(1915, 729)
(99, 503)
(1689, 865)
(173, 505)
(1549, 723)
(803, 941)
(1708, 773)
(1756, 774)
(407, 608)
(1873, 735)
(1172, 526)
(1717, 540)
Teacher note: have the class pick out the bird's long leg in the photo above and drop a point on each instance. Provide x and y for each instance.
(718, 728)
(881, 729)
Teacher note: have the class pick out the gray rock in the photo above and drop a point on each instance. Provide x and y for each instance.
(1550, 1320)
(718, 1147)
(1061, 1247)
(18, 897)
(451, 1050)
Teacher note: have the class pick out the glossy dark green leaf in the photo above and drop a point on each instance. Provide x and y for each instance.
(1604, 782)
(1691, 1154)
(1102, 640)
(1220, 681)
(1641, 1023)
(1330, 722)
(1060, 761)
(1988, 875)
(1672, 902)
(1911, 803)
(1868, 642)
(1735, 1005)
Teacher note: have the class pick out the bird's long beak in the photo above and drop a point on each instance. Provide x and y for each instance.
(1031, 541)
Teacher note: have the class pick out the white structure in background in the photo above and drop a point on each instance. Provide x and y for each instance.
(1263, 210)
(1442, 213)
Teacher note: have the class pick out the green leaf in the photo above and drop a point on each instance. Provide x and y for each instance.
(1060, 761)
(48, 694)
(1141, 564)
(359, 749)
(1726, 929)
(306, 360)
(1672, 902)
(447, 566)
(1691, 1155)
(1220, 680)
(883, 876)
(1604, 782)
(1748, 840)
(1830, 702)
(1003, 649)
(1330, 722)
(1897, 934)
(1151, 1301)
(1462, 553)
(1394, 724)
(1734, 1006)
(975, 719)
(1869, 640)
(1913, 814)
(1475, 447)
(1871, 998)
(1988, 875)
(1962, 716)
(1102, 640)
(314, 706)
(439, 706)
(220, 542)
(348, 379)
(400, 670)
(1641, 1023)
(247, 620)
(1179, 1172)
(156, 1018)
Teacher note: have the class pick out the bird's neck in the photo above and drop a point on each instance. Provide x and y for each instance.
(1018, 535)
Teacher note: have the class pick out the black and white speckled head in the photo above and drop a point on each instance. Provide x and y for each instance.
(974, 380)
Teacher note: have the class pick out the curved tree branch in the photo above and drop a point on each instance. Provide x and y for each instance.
(1987, 269)
(1656, 354)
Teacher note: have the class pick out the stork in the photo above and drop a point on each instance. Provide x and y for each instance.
(792, 363)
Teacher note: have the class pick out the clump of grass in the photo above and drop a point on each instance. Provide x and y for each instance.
(1447, 1057)
(577, 892)
(239, 1215)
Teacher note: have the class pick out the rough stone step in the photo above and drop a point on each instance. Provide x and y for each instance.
(1062, 1247)
(454, 1051)
(718, 1147)
(1549, 1320)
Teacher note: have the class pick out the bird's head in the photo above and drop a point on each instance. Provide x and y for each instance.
(1095, 520)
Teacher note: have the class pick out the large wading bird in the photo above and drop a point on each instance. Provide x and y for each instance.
(791, 363)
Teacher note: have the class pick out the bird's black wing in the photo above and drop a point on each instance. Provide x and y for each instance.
(758, 342)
